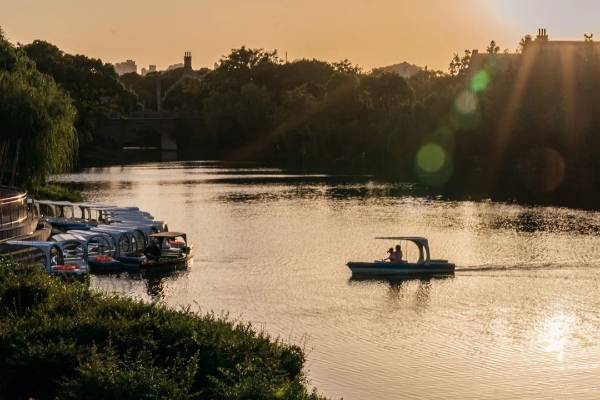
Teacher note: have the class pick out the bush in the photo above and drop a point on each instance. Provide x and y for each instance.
(66, 341)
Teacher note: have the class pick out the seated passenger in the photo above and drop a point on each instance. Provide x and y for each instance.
(398, 254)
(390, 256)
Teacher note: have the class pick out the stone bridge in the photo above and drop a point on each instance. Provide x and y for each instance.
(145, 130)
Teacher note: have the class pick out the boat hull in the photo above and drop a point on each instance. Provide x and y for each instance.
(169, 262)
(131, 264)
(106, 266)
(379, 268)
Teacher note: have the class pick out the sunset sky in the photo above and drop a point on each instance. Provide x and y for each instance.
(369, 33)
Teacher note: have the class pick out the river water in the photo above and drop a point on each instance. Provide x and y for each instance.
(520, 318)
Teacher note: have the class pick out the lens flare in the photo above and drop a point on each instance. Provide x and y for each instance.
(480, 81)
(466, 102)
(431, 158)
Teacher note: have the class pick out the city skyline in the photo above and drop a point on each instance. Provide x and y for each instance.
(370, 35)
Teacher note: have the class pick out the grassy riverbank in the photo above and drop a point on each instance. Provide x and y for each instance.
(62, 340)
(54, 191)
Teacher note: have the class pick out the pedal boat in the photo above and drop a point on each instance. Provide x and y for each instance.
(101, 249)
(65, 259)
(423, 266)
(174, 250)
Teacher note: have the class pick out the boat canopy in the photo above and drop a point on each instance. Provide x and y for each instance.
(69, 251)
(64, 209)
(97, 243)
(95, 210)
(128, 240)
(421, 243)
(148, 227)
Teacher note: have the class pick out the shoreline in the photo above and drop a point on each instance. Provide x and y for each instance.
(88, 339)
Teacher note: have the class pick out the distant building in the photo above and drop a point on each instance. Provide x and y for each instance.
(151, 68)
(187, 61)
(403, 69)
(125, 67)
(542, 49)
(174, 66)
(186, 65)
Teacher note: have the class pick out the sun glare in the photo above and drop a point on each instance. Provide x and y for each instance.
(555, 334)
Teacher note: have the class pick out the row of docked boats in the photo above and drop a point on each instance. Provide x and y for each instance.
(92, 237)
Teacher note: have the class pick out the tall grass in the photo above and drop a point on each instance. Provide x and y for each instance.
(62, 340)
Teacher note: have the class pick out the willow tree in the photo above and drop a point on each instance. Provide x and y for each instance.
(37, 134)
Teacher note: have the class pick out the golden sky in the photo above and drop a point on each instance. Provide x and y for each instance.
(370, 33)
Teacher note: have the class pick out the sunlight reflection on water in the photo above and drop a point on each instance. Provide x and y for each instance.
(518, 320)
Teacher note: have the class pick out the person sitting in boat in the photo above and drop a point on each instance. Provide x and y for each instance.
(153, 251)
(398, 254)
(390, 256)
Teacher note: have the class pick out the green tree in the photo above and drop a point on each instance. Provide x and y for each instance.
(37, 120)
(345, 66)
(524, 42)
(492, 48)
(454, 65)
(93, 85)
(185, 95)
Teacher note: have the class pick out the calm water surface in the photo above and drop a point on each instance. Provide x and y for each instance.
(520, 319)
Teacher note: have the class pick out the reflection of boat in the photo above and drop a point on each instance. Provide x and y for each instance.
(174, 250)
(66, 258)
(423, 266)
(397, 280)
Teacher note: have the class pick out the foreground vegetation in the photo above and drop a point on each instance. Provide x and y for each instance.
(62, 340)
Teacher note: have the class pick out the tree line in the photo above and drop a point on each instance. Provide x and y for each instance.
(50, 103)
(498, 124)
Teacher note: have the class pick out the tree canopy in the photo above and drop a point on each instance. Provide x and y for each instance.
(36, 119)
(93, 85)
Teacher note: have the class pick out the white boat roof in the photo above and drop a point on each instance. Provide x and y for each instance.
(35, 244)
(94, 205)
(415, 239)
(115, 229)
(84, 236)
(55, 203)
(66, 237)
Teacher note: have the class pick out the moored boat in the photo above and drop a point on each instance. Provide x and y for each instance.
(66, 258)
(168, 249)
(129, 245)
(424, 265)
(100, 249)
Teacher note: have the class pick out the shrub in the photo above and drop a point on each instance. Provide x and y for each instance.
(66, 341)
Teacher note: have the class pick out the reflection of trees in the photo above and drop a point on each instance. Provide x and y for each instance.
(528, 221)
